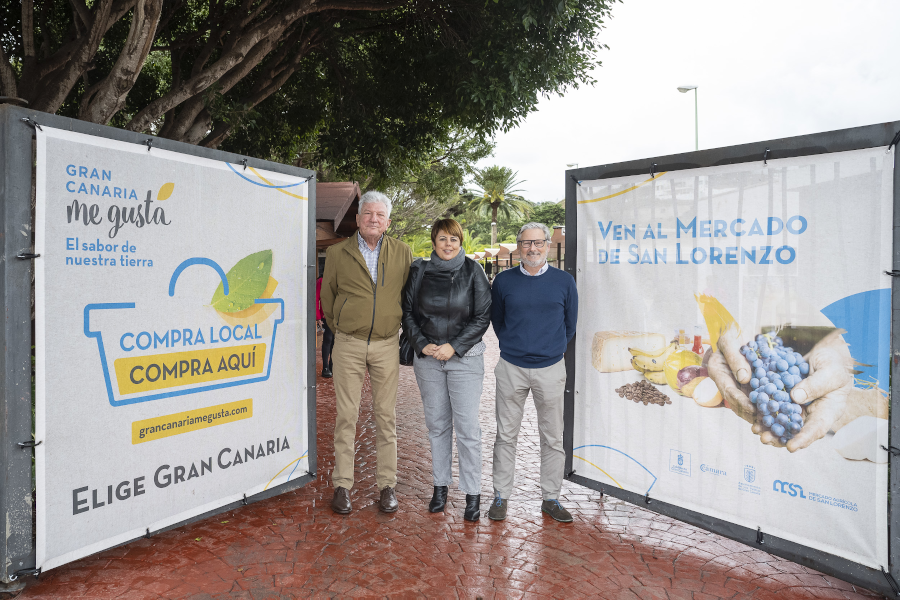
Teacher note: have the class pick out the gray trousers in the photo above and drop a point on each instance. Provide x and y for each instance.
(451, 395)
(547, 386)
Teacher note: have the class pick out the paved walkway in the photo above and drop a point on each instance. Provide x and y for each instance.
(293, 546)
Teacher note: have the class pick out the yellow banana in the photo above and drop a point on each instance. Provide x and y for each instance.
(637, 367)
(654, 354)
(654, 363)
(656, 377)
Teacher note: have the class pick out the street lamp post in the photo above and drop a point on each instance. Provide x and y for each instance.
(684, 89)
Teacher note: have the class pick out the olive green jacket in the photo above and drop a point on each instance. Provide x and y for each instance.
(351, 302)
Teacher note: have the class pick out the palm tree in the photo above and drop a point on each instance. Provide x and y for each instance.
(471, 243)
(495, 194)
(419, 244)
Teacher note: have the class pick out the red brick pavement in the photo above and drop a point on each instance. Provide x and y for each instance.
(293, 546)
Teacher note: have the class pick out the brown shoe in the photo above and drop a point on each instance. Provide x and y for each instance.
(341, 501)
(388, 501)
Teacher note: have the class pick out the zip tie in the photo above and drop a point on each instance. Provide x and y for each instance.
(575, 180)
(570, 473)
(147, 535)
(34, 572)
(891, 581)
(760, 537)
(244, 501)
(244, 162)
(35, 125)
(26, 255)
(652, 169)
(893, 143)
(892, 449)
(148, 142)
(647, 498)
(29, 444)
(892, 273)
(766, 157)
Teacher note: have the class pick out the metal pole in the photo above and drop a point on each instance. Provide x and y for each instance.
(696, 125)
(16, 549)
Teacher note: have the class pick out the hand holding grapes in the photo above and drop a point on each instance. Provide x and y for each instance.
(773, 407)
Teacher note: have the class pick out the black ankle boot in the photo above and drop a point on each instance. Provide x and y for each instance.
(439, 499)
(473, 507)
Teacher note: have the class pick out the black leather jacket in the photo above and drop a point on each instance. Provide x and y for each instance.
(452, 307)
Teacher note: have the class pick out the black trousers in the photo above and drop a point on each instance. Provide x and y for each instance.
(327, 346)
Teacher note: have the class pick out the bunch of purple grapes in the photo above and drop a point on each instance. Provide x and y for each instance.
(776, 370)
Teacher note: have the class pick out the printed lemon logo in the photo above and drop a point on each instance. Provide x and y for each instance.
(247, 280)
(165, 191)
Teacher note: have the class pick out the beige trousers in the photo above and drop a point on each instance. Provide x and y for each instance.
(547, 386)
(352, 357)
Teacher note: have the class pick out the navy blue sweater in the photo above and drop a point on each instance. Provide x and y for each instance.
(534, 317)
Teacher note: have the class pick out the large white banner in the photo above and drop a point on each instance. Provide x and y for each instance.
(733, 344)
(171, 338)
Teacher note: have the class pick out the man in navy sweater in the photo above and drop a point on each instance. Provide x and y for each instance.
(533, 310)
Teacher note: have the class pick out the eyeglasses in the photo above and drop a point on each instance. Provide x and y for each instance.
(535, 243)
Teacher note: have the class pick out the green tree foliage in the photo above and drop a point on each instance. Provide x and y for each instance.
(548, 213)
(354, 86)
(496, 194)
(425, 190)
(419, 243)
(473, 243)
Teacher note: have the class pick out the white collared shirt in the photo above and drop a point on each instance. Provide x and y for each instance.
(541, 272)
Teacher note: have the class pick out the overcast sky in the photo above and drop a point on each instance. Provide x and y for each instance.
(765, 69)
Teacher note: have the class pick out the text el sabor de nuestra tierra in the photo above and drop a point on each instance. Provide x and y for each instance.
(126, 210)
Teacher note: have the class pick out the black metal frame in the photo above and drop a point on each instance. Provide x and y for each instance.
(857, 138)
(17, 550)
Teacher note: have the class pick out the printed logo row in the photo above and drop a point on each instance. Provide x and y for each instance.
(680, 464)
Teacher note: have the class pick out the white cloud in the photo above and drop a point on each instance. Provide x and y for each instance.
(765, 70)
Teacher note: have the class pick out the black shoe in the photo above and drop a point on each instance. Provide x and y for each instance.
(326, 373)
(341, 501)
(388, 501)
(473, 507)
(438, 499)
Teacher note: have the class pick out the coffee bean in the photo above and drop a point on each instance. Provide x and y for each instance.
(643, 392)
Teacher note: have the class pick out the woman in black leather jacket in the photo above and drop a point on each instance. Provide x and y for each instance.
(446, 310)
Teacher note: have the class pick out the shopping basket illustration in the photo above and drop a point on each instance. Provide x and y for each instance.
(152, 370)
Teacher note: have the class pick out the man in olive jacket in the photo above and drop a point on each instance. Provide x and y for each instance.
(361, 291)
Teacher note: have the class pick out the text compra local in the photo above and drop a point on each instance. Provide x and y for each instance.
(187, 337)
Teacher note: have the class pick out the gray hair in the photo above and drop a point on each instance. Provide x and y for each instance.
(533, 225)
(374, 197)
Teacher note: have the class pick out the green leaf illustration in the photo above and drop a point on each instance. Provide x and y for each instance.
(247, 281)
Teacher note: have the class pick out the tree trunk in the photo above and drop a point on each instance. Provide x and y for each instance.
(107, 97)
(8, 85)
(493, 225)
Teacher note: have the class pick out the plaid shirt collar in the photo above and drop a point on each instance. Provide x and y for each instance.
(370, 256)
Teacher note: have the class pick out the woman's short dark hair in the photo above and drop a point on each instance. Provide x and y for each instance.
(451, 226)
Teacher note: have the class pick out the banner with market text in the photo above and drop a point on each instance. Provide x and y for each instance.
(733, 344)
(170, 338)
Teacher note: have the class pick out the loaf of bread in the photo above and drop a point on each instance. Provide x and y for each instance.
(609, 351)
